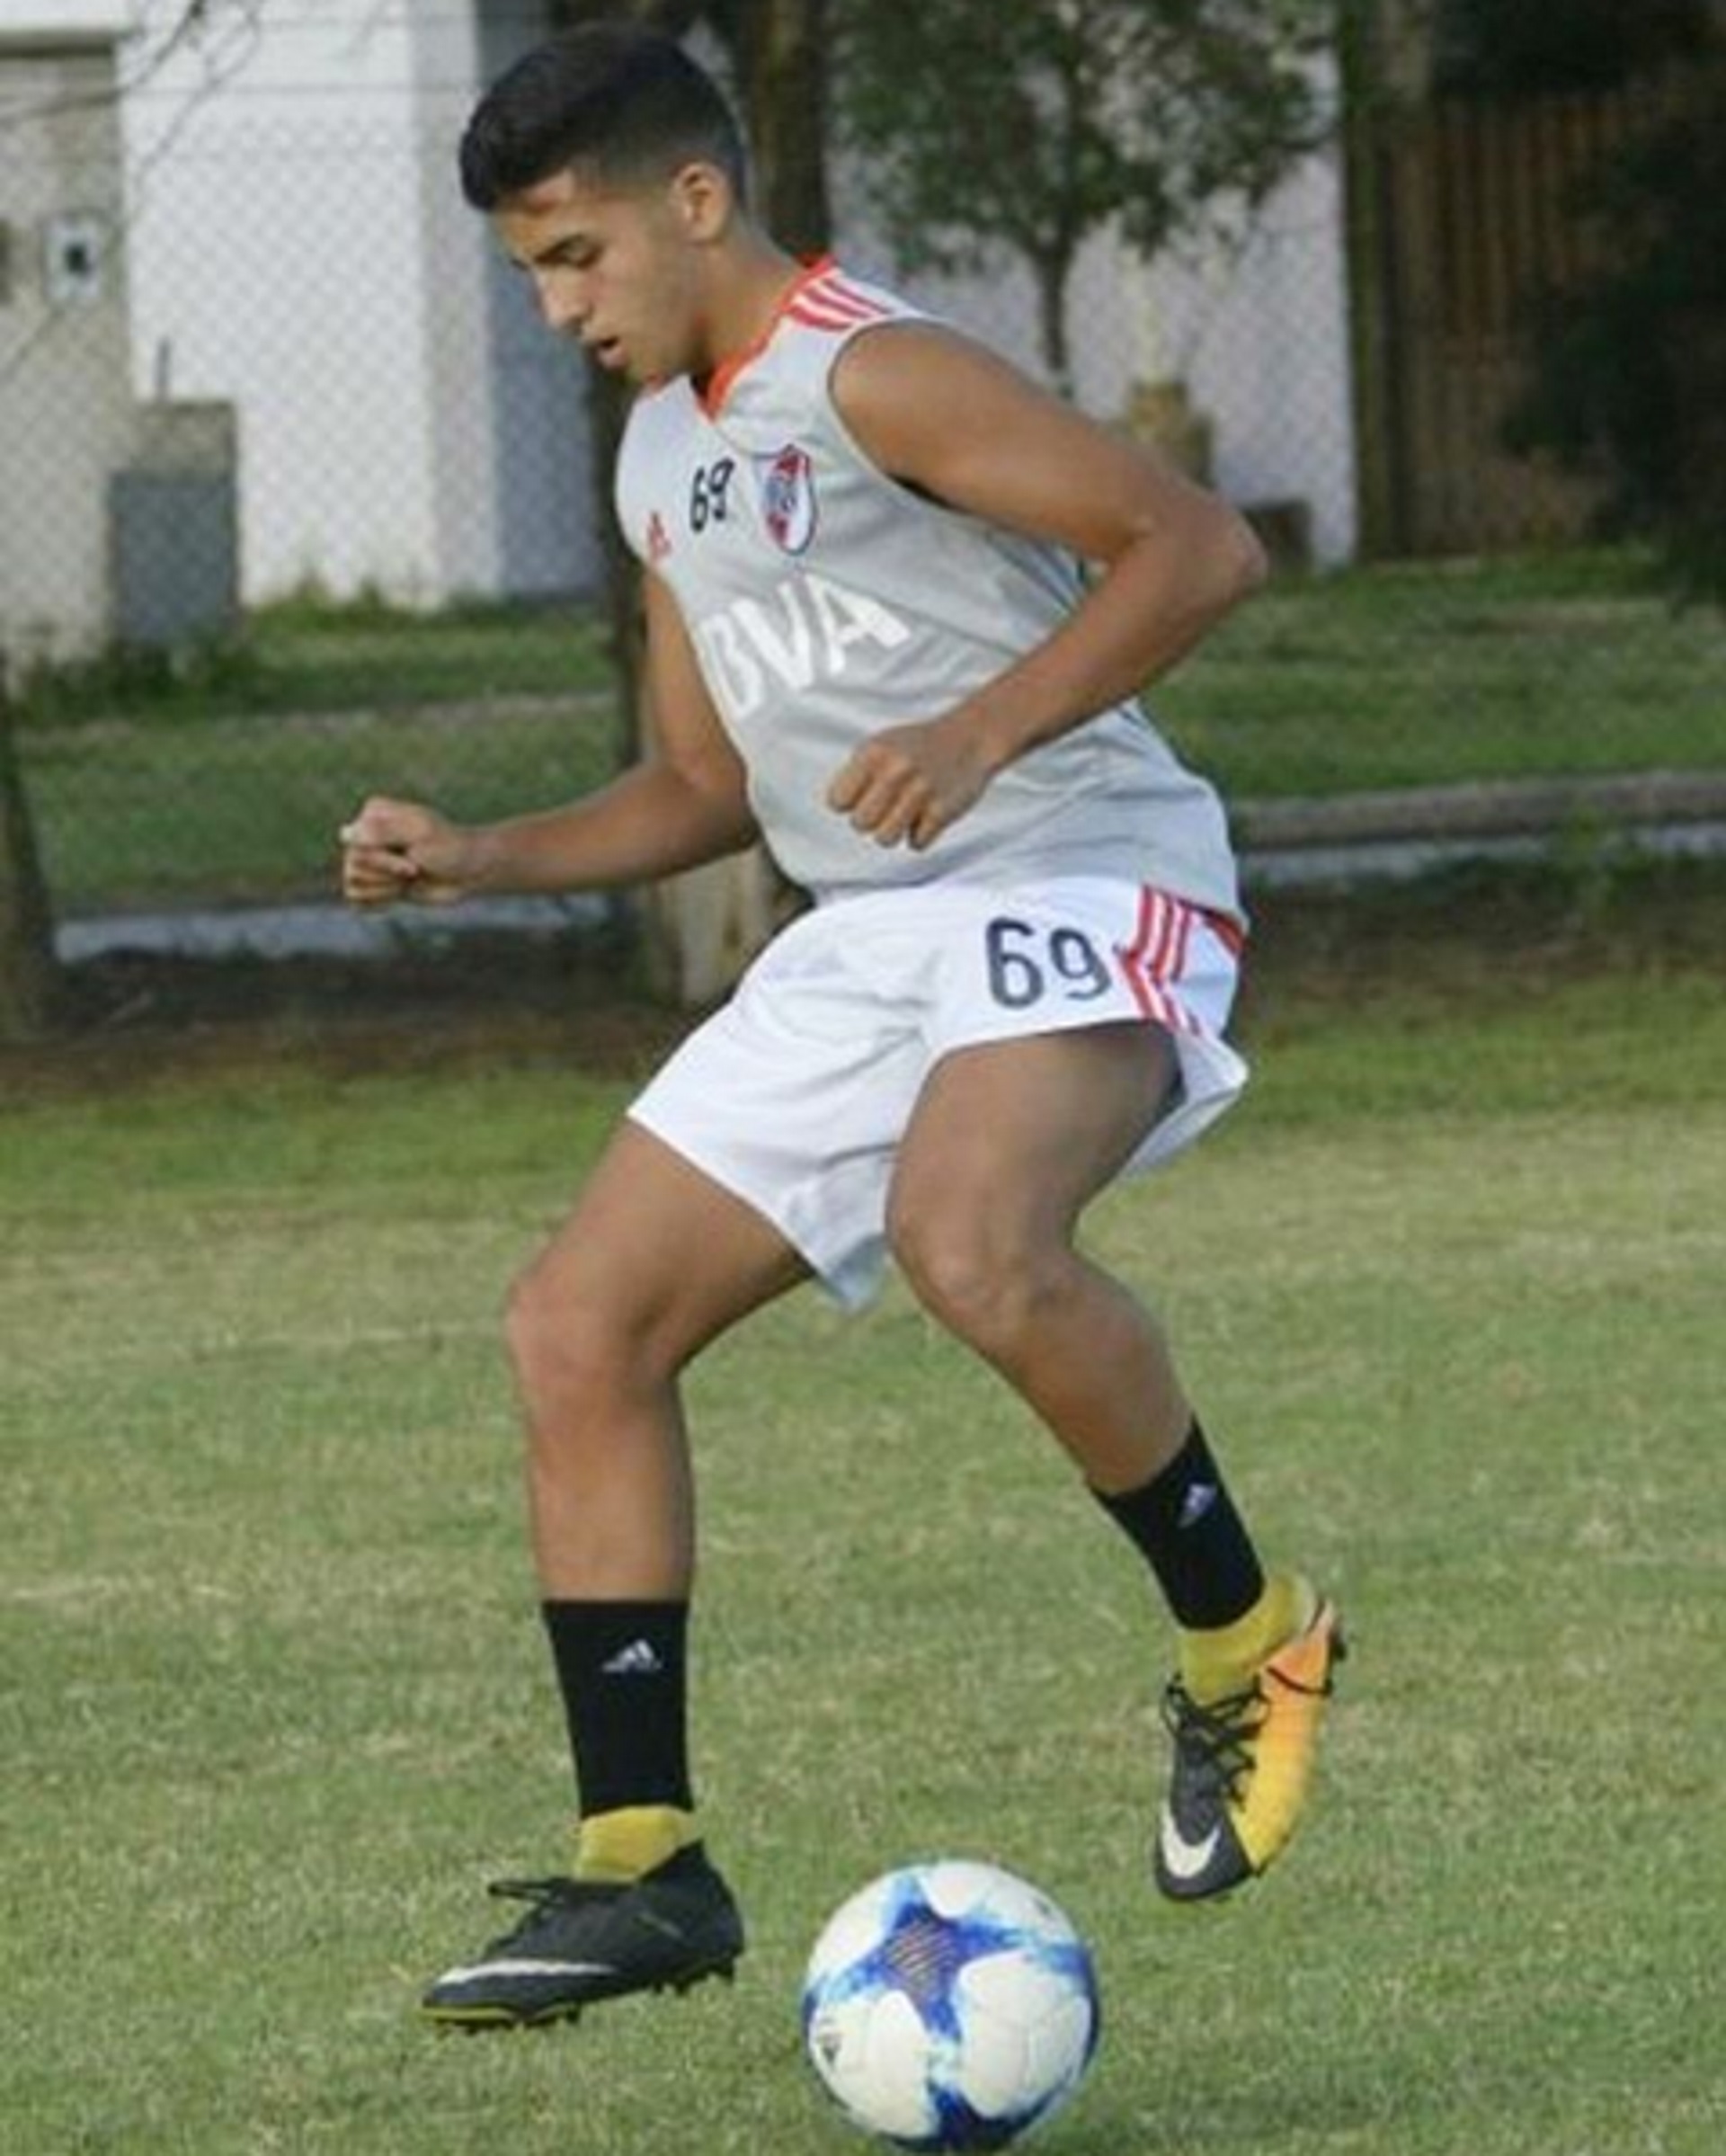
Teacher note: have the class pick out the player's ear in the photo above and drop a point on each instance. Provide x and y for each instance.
(703, 201)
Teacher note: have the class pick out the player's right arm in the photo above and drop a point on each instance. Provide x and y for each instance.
(684, 803)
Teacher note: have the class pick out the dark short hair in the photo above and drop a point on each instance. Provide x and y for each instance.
(626, 104)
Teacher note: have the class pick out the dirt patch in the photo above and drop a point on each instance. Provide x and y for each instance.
(1488, 936)
(133, 1017)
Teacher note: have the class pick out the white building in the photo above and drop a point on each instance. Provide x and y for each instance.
(1259, 335)
(65, 414)
(297, 246)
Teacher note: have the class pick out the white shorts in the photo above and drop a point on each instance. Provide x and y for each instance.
(794, 1095)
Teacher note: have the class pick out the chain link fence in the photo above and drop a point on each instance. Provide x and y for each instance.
(297, 497)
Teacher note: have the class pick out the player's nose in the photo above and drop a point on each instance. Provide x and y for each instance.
(563, 306)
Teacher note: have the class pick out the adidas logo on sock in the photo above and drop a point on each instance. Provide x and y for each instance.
(1200, 1499)
(640, 1658)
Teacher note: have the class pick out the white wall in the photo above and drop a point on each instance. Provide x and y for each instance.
(467, 506)
(1260, 337)
(293, 251)
(65, 413)
(61, 20)
(535, 412)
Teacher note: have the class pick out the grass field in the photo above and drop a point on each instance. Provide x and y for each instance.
(1422, 673)
(312, 654)
(274, 1700)
(239, 809)
(229, 781)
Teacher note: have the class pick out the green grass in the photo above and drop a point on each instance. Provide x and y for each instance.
(275, 1703)
(227, 779)
(309, 654)
(1426, 674)
(241, 809)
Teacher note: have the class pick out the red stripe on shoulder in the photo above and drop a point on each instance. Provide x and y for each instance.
(837, 293)
(814, 316)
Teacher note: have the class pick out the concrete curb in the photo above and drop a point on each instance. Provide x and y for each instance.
(1486, 809)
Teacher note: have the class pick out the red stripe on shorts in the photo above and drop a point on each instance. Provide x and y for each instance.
(1133, 957)
(1183, 937)
(1157, 956)
(1161, 964)
(1227, 931)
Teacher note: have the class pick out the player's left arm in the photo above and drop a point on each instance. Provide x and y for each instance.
(944, 415)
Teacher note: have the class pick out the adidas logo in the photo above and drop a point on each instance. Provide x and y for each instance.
(638, 1659)
(1200, 1499)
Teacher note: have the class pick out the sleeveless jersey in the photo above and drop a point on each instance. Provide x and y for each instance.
(826, 603)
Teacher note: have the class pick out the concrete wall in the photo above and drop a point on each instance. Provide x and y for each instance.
(275, 186)
(1258, 332)
(62, 22)
(535, 399)
(65, 394)
(300, 247)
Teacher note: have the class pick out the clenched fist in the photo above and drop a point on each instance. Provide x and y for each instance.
(908, 783)
(395, 851)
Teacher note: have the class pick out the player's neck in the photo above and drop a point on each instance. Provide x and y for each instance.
(747, 295)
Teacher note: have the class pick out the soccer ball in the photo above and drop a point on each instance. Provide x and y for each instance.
(949, 2006)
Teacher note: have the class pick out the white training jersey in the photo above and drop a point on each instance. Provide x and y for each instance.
(826, 603)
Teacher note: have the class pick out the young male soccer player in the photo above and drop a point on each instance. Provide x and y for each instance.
(869, 645)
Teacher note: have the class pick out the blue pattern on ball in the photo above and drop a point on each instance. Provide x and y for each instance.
(919, 1955)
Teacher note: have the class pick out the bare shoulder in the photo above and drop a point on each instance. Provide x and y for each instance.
(900, 380)
(943, 414)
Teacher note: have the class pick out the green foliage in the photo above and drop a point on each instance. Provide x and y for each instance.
(1630, 377)
(208, 671)
(1027, 128)
(1510, 48)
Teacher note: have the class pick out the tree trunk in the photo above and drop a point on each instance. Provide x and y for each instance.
(1403, 37)
(1369, 233)
(1052, 271)
(781, 56)
(27, 970)
(703, 928)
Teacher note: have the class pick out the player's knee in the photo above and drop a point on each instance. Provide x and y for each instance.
(528, 1328)
(989, 1285)
(559, 1340)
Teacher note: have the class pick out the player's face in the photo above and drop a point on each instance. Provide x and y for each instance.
(619, 271)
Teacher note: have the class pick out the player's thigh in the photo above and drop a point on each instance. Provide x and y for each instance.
(1014, 1138)
(655, 1253)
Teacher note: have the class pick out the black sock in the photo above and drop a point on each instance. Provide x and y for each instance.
(622, 1669)
(1184, 1522)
